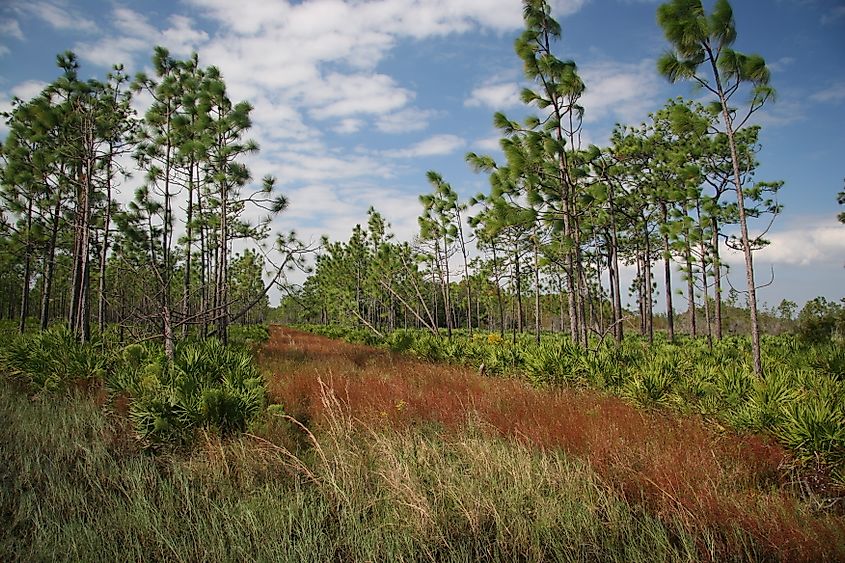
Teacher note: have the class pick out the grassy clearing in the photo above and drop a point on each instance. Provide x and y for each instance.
(387, 459)
(800, 401)
(76, 487)
(735, 489)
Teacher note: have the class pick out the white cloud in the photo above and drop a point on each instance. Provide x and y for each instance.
(349, 94)
(833, 93)
(295, 166)
(135, 35)
(623, 92)
(59, 17)
(489, 143)
(322, 209)
(28, 89)
(496, 96)
(781, 64)
(815, 241)
(417, 18)
(433, 146)
(11, 28)
(349, 125)
(406, 120)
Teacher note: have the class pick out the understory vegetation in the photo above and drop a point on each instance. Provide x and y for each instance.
(800, 400)
(207, 386)
(75, 489)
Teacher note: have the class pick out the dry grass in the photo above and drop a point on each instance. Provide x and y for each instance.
(726, 486)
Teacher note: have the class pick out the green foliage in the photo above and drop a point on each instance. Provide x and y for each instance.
(52, 360)
(814, 429)
(248, 336)
(821, 320)
(208, 386)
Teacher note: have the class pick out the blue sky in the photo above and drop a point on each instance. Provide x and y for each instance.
(355, 100)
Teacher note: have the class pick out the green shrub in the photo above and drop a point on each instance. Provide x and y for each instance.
(815, 428)
(207, 386)
(52, 360)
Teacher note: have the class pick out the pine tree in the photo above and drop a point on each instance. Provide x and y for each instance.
(702, 52)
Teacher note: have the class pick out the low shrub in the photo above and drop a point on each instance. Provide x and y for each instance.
(208, 385)
(52, 360)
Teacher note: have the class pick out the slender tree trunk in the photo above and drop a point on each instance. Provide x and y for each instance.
(447, 293)
(743, 223)
(27, 270)
(189, 240)
(717, 279)
(101, 289)
(50, 265)
(649, 310)
(520, 315)
(617, 284)
(499, 301)
(690, 290)
(536, 287)
(667, 275)
(706, 296)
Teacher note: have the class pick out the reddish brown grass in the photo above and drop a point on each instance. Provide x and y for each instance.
(675, 467)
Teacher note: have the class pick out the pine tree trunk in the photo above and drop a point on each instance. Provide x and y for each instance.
(743, 223)
(101, 293)
(536, 288)
(667, 276)
(649, 308)
(27, 270)
(717, 279)
(690, 290)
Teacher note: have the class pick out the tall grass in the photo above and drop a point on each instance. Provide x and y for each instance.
(75, 487)
(800, 401)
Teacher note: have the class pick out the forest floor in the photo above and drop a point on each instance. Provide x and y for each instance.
(676, 467)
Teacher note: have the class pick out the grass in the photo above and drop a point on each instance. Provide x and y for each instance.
(381, 457)
(800, 400)
(75, 487)
(734, 489)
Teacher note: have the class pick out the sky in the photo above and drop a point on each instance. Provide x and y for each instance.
(354, 100)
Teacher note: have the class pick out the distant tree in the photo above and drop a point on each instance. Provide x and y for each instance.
(840, 199)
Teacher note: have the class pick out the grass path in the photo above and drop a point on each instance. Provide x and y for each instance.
(726, 485)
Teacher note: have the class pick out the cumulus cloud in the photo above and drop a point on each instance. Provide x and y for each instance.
(816, 241)
(433, 146)
(489, 143)
(405, 120)
(624, 92)
(295, 166)
(350, 94)
(496, 96)
(28, 89)
(133, 35)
